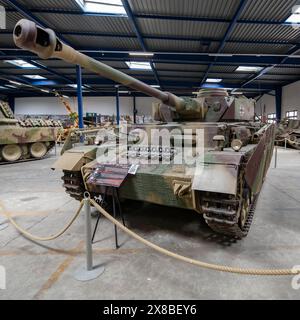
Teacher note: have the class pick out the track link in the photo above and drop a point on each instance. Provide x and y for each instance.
(73, 183)
(227, 224)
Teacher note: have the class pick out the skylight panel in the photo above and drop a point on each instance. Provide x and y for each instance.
(102, 6)
(35, 77)
(213, 80)
(21, 64)
(136, 65)
(248, 69)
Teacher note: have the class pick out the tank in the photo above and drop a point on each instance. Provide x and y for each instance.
(20, 140)
(288, 132)
(226, 154)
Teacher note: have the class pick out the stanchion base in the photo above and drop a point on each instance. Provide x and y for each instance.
(82, 274)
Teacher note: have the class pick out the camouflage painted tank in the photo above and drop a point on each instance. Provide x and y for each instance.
(204, 154)
(23, 140)
(288, 131)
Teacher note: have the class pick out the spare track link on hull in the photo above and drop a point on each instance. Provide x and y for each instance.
(29, 159)
(229, 226)
(73, 183)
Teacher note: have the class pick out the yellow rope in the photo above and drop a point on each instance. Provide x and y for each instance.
(256, 272)
(37, 238)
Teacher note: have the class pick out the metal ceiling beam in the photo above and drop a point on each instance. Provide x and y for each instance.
(170, 57)
(269, 68)
(167, 37)
(139, 35)
(183, 84)
(228, 33)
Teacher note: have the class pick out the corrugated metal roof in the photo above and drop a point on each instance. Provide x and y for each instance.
(188, 67)
(255, 48)
(50, 4)
(103, 43)
(182, 29)
(223, 69)
(272, 10)
(178, 46)
(192, 8)
(184, 74)
(177, 73)
(11, 19)
(232, 75)
(285, 70)
(90, 24)
(265, 32)
(279, 77)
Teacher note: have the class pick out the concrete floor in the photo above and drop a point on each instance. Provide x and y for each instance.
(33, 194)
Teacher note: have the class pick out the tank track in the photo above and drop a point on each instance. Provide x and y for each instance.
(29, 159)
(73, 183)
(226, 222)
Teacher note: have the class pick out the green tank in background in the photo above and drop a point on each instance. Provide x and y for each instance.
(288, 132)
(24, 140)
(233, 165)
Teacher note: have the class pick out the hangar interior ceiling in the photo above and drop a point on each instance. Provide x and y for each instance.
(190, 44)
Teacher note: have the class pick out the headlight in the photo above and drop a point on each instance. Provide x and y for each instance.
(236, 145)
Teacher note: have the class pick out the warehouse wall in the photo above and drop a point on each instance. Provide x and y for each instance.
(290, 100)
(267, 103)
(101, 105)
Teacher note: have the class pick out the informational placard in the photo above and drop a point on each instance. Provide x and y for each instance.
(108, 175)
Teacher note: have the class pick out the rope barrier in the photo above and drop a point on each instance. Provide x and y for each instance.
(37, 238)
(222, 268)
(256, 272)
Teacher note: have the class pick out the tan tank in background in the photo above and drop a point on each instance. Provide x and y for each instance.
(236, 150)
(24, 140)
(288, 133)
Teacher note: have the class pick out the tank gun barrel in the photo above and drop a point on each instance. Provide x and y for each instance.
(44, 43)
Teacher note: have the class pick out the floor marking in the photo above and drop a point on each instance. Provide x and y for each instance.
(74, 252)
(57, 273)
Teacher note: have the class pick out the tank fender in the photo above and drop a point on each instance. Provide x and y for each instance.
(74, 160)
(258, 164)
(218, 173)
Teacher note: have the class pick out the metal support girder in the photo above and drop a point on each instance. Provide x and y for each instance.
(134, 109)
(139, 36)
(168, 37)
(79, 96)
(228, 33)
(278, 98)
(118, 104)
(11, 102)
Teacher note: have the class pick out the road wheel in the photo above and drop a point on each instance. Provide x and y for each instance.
(38, 150)
(11, 152)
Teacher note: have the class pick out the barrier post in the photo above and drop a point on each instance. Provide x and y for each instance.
(88, 271)
(276, 157)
